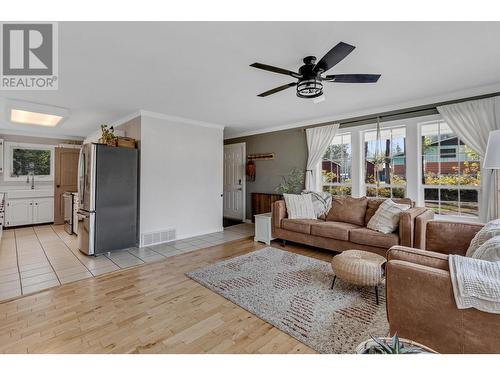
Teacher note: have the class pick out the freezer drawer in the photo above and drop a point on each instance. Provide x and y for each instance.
(86, 232)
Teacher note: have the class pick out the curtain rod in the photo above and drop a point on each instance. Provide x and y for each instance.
(423, 110)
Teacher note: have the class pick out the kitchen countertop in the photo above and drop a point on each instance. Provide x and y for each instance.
(7, 188)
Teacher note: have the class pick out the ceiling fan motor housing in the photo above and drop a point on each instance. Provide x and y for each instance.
(309, 85)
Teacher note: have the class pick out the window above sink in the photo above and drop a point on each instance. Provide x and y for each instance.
(23, 159)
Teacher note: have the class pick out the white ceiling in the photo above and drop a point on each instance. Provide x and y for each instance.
(201, 71)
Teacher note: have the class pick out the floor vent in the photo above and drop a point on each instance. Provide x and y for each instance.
(154, 238)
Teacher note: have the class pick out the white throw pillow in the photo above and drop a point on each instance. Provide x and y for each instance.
(322, 201)
(299, 206)
(386, 218)
(490, 230)
(489, 251)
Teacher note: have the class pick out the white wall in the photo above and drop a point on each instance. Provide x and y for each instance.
(181, 177)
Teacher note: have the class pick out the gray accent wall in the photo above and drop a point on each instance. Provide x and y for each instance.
(290, 149)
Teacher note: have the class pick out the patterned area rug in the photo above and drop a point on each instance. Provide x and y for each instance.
(292, 292)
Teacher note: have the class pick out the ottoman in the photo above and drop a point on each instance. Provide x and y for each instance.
(360, 268)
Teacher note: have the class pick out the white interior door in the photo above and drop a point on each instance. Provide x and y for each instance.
(234, 181)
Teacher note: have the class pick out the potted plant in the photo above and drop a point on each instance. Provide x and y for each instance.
(108, 135)
(391, 345)
(293, 183)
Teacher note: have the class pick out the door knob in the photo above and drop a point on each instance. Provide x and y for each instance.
(58, 186)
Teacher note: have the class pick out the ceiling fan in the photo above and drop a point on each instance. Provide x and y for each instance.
(310, 76)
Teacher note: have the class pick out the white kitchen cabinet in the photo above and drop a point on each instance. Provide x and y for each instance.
(18, 212)
(43, 210)
(25, 211)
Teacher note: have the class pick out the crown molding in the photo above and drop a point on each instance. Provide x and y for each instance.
(125, 118)
(181, 120)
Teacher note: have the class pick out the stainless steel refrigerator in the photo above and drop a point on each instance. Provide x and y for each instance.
(107, 189)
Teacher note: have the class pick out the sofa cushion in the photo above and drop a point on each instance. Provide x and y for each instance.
(374, 203)
(333, 229)
(299, 225)
(365, 236)
(348, 210)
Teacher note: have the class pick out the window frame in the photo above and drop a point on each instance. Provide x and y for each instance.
(8, 160)
(414, 188)
(391, 186)
(422, 186)
(320, 168)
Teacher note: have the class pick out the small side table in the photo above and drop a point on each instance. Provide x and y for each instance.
(359, 267)
(263, 232)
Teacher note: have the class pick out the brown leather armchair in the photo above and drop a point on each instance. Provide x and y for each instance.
(420, 301)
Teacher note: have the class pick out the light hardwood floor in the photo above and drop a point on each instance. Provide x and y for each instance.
(153, 308)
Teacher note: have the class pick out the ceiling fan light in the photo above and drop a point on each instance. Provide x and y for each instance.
(309, 88)
(319, 99)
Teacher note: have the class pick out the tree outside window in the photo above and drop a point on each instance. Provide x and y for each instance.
(26, 161)
(336, 166)
(385, 172)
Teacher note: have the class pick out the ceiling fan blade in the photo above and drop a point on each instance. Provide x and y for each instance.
(333, 57)
(277, 89)
(353, 78)
(275, 69)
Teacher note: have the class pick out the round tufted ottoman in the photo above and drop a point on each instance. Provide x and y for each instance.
(360, 268)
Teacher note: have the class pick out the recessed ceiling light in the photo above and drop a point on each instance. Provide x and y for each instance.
(26, 113)
(34, 118)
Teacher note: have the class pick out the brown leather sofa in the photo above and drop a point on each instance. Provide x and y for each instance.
(420, 301)
(344, 227)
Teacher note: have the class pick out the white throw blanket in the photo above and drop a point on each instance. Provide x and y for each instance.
(476, 283)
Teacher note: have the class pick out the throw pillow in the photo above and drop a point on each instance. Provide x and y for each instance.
(386, 219)
(322, 201)
(374, 203)
(299, 206)
(490, 230)
(489, 251)
(348, 210)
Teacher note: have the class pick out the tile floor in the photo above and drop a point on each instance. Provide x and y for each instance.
(41, 257)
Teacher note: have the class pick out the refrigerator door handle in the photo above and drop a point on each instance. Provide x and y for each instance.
(86, 232)
(81, 176)
(83, 215)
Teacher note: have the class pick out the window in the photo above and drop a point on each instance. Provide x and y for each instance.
(451, 175)
(23, 159)
(385, 177)
(336, 166)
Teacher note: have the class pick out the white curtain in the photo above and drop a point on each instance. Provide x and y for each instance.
(318, 140)
(473, 121)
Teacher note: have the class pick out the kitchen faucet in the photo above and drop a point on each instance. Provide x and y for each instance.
(32, 173)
